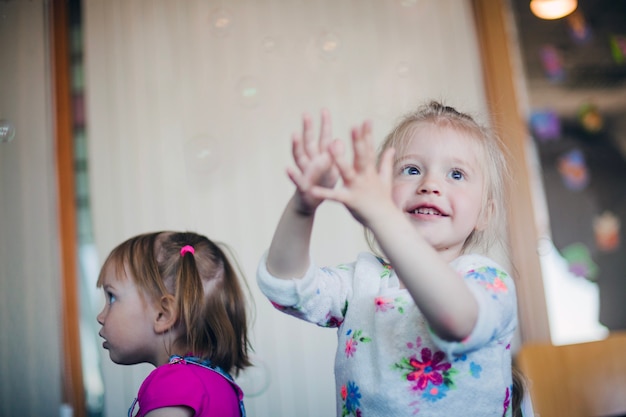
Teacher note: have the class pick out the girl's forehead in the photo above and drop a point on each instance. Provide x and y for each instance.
(453, 140)
(114, 271)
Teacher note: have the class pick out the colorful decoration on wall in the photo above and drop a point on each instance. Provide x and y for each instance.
(618, 48)
(573, 170)
(590, 118)
(545, 125)
(579, 261)
(606, 228)
(552, 63)
(579, 30)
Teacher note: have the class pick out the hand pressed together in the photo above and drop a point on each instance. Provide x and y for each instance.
(366, 190)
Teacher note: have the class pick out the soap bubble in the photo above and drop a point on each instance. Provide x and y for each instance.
(201, 156)
(221, 22)
(544, 246)
(255, 380)
(328, 44)
(248, 91)
(403, 70)
(269, 45)
(7, 131)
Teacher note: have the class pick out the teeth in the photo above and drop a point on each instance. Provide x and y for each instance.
(424, 210)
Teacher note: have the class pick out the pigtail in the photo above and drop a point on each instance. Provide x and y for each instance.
(189, 294)
(209, 299)
(231, 294)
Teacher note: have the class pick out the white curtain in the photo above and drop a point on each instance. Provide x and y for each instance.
(30, 281)
(190, 107)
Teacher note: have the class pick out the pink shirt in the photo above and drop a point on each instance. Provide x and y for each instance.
(182, 383)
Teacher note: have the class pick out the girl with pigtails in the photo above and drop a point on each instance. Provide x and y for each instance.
(175, 300)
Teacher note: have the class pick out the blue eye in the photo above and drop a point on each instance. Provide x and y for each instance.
(457, 175)
(410, 170)
(110, 297)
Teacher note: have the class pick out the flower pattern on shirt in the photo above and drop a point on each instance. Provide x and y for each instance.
(387, 269)
(429, 375)
(384, 304)
(353, 340)
(351, 399)
(508, 411)
(491, 278)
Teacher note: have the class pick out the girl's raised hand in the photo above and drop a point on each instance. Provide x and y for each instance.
(366, 190)
(314, 164)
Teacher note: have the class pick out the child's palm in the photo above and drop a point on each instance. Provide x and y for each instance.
(315, 165)
(366, 189)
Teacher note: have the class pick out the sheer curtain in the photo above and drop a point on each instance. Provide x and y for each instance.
(190, 107)
(30, 281)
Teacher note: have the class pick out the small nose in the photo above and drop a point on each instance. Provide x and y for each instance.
(100, 318)
(428, 186)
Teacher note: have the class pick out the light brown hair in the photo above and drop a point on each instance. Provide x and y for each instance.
(206, 287)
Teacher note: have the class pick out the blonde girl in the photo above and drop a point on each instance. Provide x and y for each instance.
(426, 328)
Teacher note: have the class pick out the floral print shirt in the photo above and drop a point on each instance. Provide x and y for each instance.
(388, 362)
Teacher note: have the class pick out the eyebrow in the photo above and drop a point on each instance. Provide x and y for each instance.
(465, 163)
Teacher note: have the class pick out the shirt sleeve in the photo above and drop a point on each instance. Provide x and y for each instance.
(494, 290)
(320, 296)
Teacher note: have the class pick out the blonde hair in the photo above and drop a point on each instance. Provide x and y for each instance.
(207, 289)
(495, 166)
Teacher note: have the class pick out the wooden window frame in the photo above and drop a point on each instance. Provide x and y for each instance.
(503, 100)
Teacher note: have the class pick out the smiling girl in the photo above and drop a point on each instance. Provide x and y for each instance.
(425, 328)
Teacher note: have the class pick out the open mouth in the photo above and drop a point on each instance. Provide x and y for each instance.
(427, 211)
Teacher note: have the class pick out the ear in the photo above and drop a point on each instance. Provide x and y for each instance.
(167, 314)
(485, 216)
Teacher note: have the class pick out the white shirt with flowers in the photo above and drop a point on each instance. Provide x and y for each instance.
(388, 362)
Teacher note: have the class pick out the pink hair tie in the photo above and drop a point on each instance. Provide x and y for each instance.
(185, 249)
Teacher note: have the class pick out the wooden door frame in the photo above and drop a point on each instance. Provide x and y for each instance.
(73, 389)
(500, 75)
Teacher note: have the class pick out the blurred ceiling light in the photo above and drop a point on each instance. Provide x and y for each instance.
(552, 9)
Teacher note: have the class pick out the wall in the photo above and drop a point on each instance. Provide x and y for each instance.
(190, 107)
(30, 365)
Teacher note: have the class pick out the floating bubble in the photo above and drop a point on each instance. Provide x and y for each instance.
(7, 131)
(403, 70)
(544, 246)
(221, 22)
(269, 45)
(248, 91)
(255, 380)
(201, 156)
(328, 44)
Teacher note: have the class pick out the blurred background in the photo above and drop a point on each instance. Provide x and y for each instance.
(121, 117)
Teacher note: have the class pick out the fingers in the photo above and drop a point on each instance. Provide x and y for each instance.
(337, 152)
(298, 151)
(364, 154)
(386, 164)
(297, 178)
(310, 147)
(326, 130)
(333, 194)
